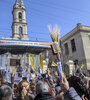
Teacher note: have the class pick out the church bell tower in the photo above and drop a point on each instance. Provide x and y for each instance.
(19, 25)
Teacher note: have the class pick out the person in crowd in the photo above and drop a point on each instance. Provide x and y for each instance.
(80, 87)
(3, 81)
(24, 91)
(89, 86)
(50, 79)
(42, 89)
(33, 87)
(57, 86)
(86, 81)
(6, 92)
(15, 90)
(69, 92)
(59, 93)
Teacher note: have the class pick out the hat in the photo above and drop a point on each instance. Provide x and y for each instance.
(41, 86)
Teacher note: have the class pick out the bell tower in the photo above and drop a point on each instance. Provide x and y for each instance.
(19, 25)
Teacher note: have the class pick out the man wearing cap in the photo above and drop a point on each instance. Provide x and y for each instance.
(42, 91)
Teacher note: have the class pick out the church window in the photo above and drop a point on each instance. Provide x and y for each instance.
(20, 30)
(73, 45)
(66, 49)
(14, 62)
(20, 15)
(19, 5)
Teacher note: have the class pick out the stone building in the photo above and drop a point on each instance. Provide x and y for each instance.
(76, 46)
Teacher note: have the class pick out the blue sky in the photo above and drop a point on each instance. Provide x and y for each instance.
(39, 13)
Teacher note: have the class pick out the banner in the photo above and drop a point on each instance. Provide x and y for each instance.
(41, 62)
(37, 61)
(8, 77)
(3, 61)
(32, 61)
(82, 65)
(10, 70)
(78, 69)
(15, 70)
(24, 43)
(60, 70)
(24, 74)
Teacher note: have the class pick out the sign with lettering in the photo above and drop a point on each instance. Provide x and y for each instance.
(23, 43)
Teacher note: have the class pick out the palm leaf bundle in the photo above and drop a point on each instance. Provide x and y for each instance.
(55, 33)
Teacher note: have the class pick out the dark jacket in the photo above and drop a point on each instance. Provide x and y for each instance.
(71, 94)
(30, 97)
(44, 96)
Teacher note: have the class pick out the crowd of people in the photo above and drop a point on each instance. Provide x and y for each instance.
(46, 87)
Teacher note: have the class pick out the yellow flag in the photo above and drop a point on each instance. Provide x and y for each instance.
(28, 70)
(10, 70)
(15, 70)
(82, 66)
(41, 62)
(32, 62)
(63, 74)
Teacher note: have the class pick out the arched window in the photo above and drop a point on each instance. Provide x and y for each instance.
(20, 15)
(20, 30)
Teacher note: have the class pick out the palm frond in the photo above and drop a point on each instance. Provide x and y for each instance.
(54, 33)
